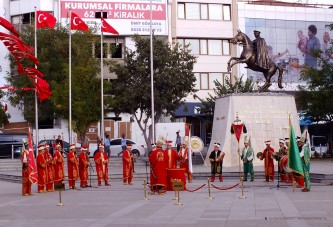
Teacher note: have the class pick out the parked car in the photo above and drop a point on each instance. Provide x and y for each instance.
(115, 148)
(11, 144)
(51, 143)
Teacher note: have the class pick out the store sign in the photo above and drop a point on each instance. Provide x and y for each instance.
(128, 17)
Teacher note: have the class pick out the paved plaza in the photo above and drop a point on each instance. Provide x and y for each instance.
(124, 205)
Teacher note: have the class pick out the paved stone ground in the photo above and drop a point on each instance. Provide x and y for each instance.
(124, 205)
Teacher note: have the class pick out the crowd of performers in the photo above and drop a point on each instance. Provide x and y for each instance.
(51, 171)
(50, 168)
(268, 155)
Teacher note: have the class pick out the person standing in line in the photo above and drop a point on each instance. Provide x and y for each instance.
(171, 156)
(107, 145)
(247, 158)
(102, 160)
(183, 157)
(83, 166)
(305, 157)
(178, 141)
(158, 175)
(123, 143)
(59, 172)
(41, 169)
(127, 165)
(269, 164)
(50, 169)
(26, 184)
(73, 166)
(216, 161)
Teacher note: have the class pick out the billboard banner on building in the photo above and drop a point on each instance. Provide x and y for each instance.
(287, 42)
(128, 17)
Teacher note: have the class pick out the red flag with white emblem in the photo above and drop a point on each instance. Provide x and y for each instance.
(45, 20)
(106, 27)
(77, 23)
(7, 25)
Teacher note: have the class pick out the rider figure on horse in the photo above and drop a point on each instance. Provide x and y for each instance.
(260, 48)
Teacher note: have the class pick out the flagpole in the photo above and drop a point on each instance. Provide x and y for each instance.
(102, 84)
(152, 75)
(70, 78)
(190, 167)
(36, 101)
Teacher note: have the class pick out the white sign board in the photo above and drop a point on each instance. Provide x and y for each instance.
(128, 17)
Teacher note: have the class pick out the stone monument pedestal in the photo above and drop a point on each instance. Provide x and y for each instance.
(265, 115)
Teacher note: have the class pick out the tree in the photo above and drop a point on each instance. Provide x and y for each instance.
(53, 53)
(239, 86)
(173, 81)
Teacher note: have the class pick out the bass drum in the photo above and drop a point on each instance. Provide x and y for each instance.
(197, 144)
(283, 162)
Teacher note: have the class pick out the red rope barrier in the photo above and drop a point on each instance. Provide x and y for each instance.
(195, 189)
(225, 188)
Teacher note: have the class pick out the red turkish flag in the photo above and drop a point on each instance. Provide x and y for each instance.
(33, 73)
(21, 55)
(45, 20)
(77, 23)
(43, 89)
(14, 44)
(105, 27)
(7, 25)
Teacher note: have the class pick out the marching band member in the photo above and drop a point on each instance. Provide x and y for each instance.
(26, 184)
(102, 160)
(183, 156)
(41, 168)
(158, 164)
(281, 158)
(84, 164)
(50, 168)
(73, 166)
(216, 160)
(127, 165)
(171, 156)
(305, 157)
(247, 158)
(59, 173)
(269, 164)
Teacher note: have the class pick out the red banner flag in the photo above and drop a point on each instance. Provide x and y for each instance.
(32, 72)
(43, 89)
(105, 27)
(7, 25)
(33, 177)
(237, 129)
(45, 20)
(77, 23)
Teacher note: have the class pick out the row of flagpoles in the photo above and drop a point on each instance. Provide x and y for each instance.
(20, 51)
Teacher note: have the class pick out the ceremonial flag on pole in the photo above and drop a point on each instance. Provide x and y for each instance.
(294, 159)
(190, 167)
(77, 23)
(33, 177)
(7, 25)
(45, 20)
(107, 27)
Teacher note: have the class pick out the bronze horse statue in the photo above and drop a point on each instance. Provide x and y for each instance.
(248, 56)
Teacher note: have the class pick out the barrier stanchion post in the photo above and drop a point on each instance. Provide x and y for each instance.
(242, 196)
(145, 189)
(175, 198)
(178, 199)
(59, 187)
(209, 196)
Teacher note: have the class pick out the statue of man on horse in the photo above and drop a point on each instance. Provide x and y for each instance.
(256, 57)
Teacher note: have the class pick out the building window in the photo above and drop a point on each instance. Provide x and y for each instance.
(181, 11)
(206, 46)
(192, 11)
(215, 12)
(98, 50)
(116, 50)
(226, 12)
(205, 81)
(193, 45)
(203, 11)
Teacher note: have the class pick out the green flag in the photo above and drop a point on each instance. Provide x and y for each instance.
(294, 159)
